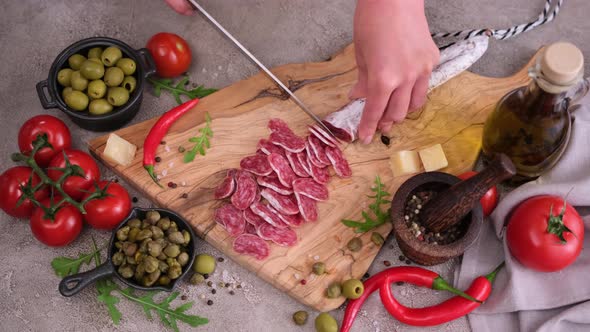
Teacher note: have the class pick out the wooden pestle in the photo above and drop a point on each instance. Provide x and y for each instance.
(449, 207)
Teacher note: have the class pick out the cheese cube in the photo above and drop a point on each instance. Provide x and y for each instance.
(119, 150)
(433, 158)
(404, 162)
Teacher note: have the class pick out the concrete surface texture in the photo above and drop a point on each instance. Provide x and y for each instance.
(33, 32)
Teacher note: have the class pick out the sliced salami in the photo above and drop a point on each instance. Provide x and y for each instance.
(296, 164)
(258, 196)
(304, 160)
(281, 166)
(267, 147)
(245, 191)
(231, 219)
(256, 164)
(252, 218)
(227, 186)
(320, 175)
(312, 157)
(282, 203)
(278, 125)
(260, 152)
(307, 207)
(314, 131)
(273, 183)
(287, 141)
(311, 189)
(318, 150)
(268, 214)
(252, 245)
(284, 237)
(341, 166)
(250, 229)
(293, 220)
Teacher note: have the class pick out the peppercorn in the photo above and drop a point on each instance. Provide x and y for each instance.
(158, 159)
(227, 284)
(134, 199)
(303, 281)
(162, 142)
(206, 275)
(239, 286)
(385, 140)
(402, 258)
(231, 292)
(185, 195)
(387, 263)
(213, 291)
(172, 185)
(408, 261)
(300, 318)
(366, 275)
(209, 283)
(209, 302)
(220, 259)
(184, 297)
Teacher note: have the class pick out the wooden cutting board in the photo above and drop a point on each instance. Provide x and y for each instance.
(453, 116)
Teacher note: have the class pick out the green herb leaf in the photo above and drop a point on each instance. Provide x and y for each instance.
(380, 216)
(201, 142)
(179, 89)
(65, 266)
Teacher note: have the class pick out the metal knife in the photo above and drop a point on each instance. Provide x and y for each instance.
(262, 66)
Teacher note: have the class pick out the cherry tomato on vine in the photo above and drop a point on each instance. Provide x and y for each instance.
(171, 54)
(10, 191)
(489, 199)
(75, 185)
(59, 231)
(57, 132)
(533, 233)
(108, 212)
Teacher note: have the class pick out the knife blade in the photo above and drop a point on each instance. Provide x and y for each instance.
(296, 99)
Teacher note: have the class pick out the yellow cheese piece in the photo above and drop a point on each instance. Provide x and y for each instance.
(404, 162)
(433, 158)
(119, 150)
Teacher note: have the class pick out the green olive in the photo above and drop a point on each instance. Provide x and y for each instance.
(127, 65)
(197, 279)
(66, 91)
(325, 323)
(100, 107)
(95, 53)
(64, 77)
(78, 81)
(152, 216)
(204, 264)
(355, 244)
(110, 56)
(319, 268)
(113, 76)
(92, 70)
(96, 89)
(134, 223)
(353, 289)
(95, 60)
(300, 317)
(75, 61)
(129, 83)
(334, 290)
(122, 233)
(77, 100)
(117, 96)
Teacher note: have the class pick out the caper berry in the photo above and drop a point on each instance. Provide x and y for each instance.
(122, 233)
(334, 290)
(300, 317)
(319, 268)
(377, 239)
(355, 244)
(353, 289)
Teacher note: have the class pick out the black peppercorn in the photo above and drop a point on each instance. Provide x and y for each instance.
(134, 199)
(206, 275)
(220, 259)
(209, 302)
(213, 291)
(231, 292)
(158, 159)
(385, 140)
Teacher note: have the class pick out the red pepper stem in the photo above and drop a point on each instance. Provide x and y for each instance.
(440, 284)
(150, 170)
(492, 276)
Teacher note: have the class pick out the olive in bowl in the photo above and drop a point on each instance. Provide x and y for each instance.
(106, 77)
(152, 249)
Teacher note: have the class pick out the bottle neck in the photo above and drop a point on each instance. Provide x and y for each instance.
(543, 103)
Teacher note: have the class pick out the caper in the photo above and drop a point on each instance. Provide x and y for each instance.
(145, 224)
(353, 289)
(75, 61)
(134, 223)
(163, 267)
(172, 250)
(131, 260)
(173, 227)
(171, 261)
(144, 234)
(129, 83)
(157, 232)
(182, 259)
(129, 248)
(176, 237)
(118, 258)
(143, 245)
(150, 279)
(319, 268)
(162, 256)
(95, 53)
(164, 281)
(164, 223)
(133, 234)
(64, 76)
(150, 264)
(152, 216)
(334, 290)
(377, 239)
(154, 248)
(355, 244)
(197, 279)
(139, 257)
(187, 236)
(122, 233)
(119, 245)
(139, 272)
(300, 317)
(125, 271)
(174, 271)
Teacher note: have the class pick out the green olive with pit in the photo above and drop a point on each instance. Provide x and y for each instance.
(325, 323)
(96, 89)
(127, 66)
(117, 96)
(76, 100)
(113, 76)
(76, 60)
(110, 56)
(204, 264)
(78, 82)
(95, 53)
(353, 289)
(99, 107)
(64, 77)
(66, 91)
(92, 70)
(129, 83)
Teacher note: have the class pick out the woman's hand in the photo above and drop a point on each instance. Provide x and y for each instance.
(395, 56)
(181, 6)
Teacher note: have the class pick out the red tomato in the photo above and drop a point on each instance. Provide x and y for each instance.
(75, 185)
(529, 239)
(489, 199)
(60, 231)
(57, 132)
(10, 191)
(108, 212)
(171, 54)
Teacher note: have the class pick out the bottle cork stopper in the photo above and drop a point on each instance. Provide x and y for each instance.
(562, 63)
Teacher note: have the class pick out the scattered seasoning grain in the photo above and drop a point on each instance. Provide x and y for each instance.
(134, 199)
(202, 296)
(209, 302)
(213, 291)
(158, 159)
(185, 195)
(303, 281)
(227, 284)
(184, 297)
(239, 286)
(408, 261)
(206, 275)
(385, 140)
(209, 283)
(181, 149)
(172, 185)
(220, 259)
(231, 292)
(387, 263)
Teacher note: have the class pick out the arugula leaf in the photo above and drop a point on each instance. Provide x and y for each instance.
(179, 89)
(381, 217)
(104, 288)
(201, 141)
(65, 266)
(167, 315)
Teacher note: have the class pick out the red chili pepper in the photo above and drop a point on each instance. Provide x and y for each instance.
(158, 132)
(456, 307)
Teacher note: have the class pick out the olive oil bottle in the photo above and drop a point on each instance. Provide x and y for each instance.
(532, 124)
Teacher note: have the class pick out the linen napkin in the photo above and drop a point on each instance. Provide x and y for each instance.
(523, 299)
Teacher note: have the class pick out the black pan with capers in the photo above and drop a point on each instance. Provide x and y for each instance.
(151, 249)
